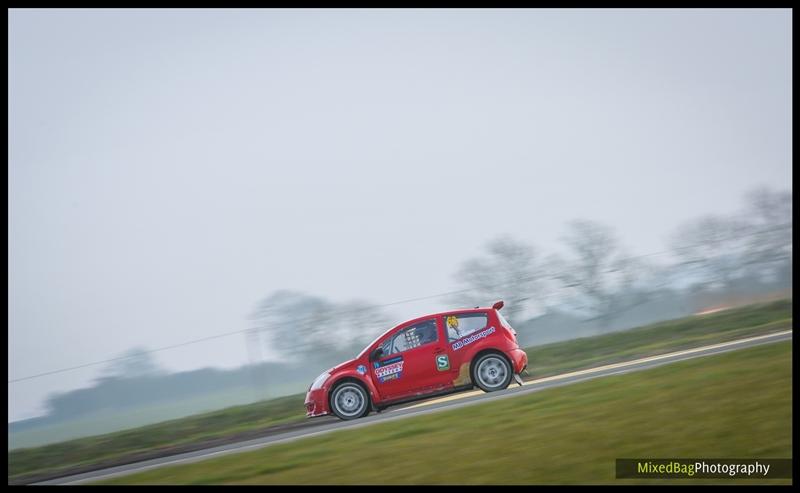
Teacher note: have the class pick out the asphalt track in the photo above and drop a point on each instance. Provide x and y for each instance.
(430, 406)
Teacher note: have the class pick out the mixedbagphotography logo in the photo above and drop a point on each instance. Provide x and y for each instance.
(704, 468)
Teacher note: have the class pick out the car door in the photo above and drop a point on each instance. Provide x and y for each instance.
(409, 364)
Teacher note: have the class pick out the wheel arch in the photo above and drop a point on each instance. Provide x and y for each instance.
(482, 353)
(350, 378)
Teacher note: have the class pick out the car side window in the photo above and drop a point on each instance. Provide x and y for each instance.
(386, 346)
(464, 324)
(415, 336)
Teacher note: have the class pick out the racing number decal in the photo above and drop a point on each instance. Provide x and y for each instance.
(442, 362)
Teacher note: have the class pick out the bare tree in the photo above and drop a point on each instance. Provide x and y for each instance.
(295, 323)
(768, 226)
(360, 322)
(134, 363)
(711, 250)
(292, 322)
(597, 275)
(507, 272)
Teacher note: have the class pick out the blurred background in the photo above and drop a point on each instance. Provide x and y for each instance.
(211, 207)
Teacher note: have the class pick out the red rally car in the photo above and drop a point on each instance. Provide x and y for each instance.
(430, 355)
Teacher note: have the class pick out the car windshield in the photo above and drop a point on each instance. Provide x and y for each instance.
(364, 351)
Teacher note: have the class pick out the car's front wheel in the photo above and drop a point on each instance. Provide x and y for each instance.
(492, 372)
(349, 400)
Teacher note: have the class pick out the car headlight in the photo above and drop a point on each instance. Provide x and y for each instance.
(319, 381)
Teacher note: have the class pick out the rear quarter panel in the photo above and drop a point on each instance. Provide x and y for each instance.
(464, 350)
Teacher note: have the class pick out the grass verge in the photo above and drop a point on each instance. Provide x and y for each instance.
(660, 338)
(736, 404)
(32, 464)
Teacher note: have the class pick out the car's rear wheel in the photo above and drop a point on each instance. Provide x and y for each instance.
(492, 372)
(349, 400)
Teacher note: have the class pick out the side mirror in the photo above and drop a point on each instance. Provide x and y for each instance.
(376, 353)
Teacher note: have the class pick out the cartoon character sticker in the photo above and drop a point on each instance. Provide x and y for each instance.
(452, 326)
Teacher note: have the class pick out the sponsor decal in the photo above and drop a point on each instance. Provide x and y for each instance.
(362, 369)
(470, 339)
(393, 376)
(389, 361)
(389, 369)
(442, 362)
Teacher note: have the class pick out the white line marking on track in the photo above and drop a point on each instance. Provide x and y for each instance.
(463, 395)
(624, 364)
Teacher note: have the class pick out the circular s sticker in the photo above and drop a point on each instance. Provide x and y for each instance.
(362, 369)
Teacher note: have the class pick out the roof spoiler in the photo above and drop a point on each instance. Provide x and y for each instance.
(498, 305)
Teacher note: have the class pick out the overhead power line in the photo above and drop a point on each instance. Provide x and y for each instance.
(226, 334)
(344, 312)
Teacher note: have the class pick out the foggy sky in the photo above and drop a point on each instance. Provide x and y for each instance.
(168, 169)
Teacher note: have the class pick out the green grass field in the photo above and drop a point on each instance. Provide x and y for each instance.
(544, 361)
(660, 338)
(105, 421)
(96, 449)
(736, 404)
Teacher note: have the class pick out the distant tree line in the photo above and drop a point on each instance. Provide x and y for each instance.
(595, 276)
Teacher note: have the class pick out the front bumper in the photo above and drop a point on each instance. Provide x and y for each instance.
(316, 403)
